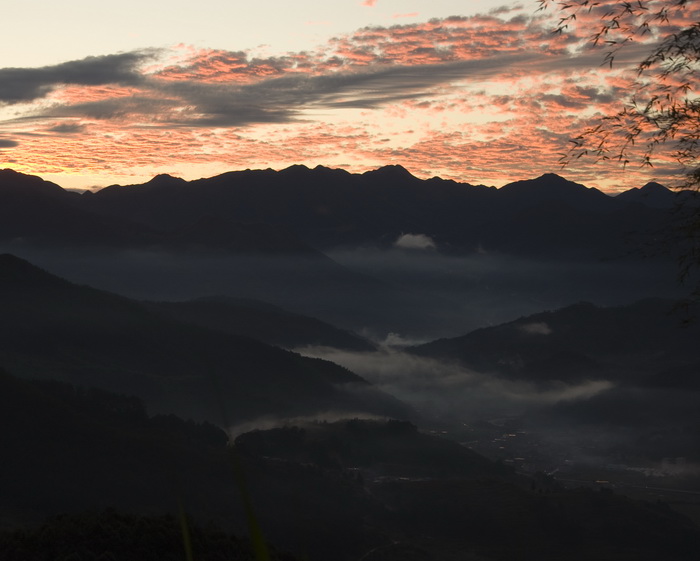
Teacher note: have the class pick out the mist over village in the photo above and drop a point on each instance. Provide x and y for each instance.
(373, 280)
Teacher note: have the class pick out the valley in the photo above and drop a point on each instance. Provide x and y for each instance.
(402, 367)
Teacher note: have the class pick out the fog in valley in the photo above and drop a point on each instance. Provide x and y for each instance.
(328, 298)
(571, 385)
(412, 294)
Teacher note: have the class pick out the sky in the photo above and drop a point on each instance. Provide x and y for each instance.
(483, 92)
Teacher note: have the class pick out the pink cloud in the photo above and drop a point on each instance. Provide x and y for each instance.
(369, 3)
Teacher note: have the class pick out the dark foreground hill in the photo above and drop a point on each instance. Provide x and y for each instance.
(108, 534)
(441, 501)
(67, 449)
(54, 329)
(349, 490)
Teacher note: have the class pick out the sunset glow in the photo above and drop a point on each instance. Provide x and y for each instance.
(487, 97)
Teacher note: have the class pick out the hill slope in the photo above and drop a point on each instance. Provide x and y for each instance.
(582, 341)
(52, 328)
(262, 321)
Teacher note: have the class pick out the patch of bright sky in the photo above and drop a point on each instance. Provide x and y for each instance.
(45, 32)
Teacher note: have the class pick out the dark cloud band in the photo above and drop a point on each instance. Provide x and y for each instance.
(19, 85)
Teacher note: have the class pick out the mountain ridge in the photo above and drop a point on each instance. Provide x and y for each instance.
(328, 209)
(333, 208)
(578, 342)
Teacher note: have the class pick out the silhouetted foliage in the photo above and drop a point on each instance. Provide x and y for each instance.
(659, 121)
(109, 535)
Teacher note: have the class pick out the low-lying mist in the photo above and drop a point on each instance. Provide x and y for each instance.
(448, 391)
(595, 421)
(273, 421)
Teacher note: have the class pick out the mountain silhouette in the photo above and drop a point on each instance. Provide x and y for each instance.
(28, 186)
(329, 208)
(55, 329)
(632, 343)
(652, 194)
(34, 211)
(390, 173)
(552, 188)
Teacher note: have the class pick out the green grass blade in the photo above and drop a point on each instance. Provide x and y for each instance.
(185, 530)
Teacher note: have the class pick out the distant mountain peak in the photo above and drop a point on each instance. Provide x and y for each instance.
(14, 181)
(551, 191)
(546, 181)
(11, 174)
(548, 185)
(553, 177)
(653, 194)
(653, 186)
(393, 170)
(166, 179)
(7, 172)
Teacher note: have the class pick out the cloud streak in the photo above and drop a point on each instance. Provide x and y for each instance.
(29, 84)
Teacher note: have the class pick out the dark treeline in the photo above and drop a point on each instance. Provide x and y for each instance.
(111, 536)
(326, 490)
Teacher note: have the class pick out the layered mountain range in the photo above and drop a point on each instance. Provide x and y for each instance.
(296, 209)
(356, 488)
